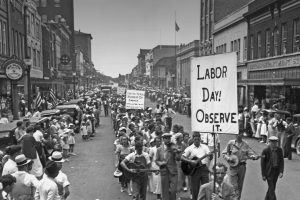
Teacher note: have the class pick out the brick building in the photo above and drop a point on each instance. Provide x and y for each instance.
(274, 53)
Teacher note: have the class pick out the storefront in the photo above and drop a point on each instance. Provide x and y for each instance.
(275, 81)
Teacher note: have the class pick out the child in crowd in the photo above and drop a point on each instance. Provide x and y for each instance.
(71, 139)
(83, 131)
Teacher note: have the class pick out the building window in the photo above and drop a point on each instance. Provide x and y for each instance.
(259, 45)
(43, 3)
(284, 34)
(28, 24)
(276, 42)
(268, 43)
(34, 57)
(245, 48)
(238, 49)
(37, 28)
(296, 35)
(4, 39)
(231, 46)
(44, 18)
(29, 52)
(1, 38)
(251, 47)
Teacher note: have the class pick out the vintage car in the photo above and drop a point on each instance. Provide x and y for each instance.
(296, 138)
(49, 113)
(6, 135)
(74, 101)
(72, 110)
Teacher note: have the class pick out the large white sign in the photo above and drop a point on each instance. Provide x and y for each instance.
(214, 93)
(121, 90)
(135, 99)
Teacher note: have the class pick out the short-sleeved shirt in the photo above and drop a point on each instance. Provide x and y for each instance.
(131, 157)
(193, 151)
(9, 167)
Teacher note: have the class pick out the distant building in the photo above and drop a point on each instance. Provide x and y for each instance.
(154, 55)
(230, 35)
(184, 54)
(83, 41)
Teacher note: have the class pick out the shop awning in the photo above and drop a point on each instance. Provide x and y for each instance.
(275, 81)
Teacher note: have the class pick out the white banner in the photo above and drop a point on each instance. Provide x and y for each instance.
(135, 99)
(214, 93)
(121, 90)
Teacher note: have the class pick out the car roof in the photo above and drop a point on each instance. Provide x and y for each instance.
(50, 112)
(67, 106)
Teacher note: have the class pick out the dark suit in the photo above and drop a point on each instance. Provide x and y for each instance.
(29, 146)
(270, 172)
(168, 173)
(206, 191)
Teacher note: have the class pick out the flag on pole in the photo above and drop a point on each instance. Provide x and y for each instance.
(38, 100)
(54, 99)
(176, 27)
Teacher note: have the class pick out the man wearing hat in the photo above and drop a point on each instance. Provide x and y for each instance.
(166, 158)
(272, 165)
(26, 183)
(61, 179)
(48, 188)
(10, 165)
(239, 149)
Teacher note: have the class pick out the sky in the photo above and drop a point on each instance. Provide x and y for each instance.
(120, 28)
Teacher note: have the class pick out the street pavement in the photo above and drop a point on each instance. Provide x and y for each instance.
(91, 171)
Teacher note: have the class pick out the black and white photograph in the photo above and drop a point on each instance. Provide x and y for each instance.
(149, 99)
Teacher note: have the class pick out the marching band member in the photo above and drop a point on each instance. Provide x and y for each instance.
(241, 150)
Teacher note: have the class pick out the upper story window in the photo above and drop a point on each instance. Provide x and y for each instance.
(259, 45)
(268, 43)
(276, 42)
(251, 47)
(296, 35)
(44, 18)
(245, 47)
(284, 34)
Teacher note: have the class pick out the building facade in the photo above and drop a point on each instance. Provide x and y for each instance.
(274, 53)
(230, 35)
(184, 54)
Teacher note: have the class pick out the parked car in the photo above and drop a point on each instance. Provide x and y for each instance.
(7, 135)
(296, 138)
(72, 109)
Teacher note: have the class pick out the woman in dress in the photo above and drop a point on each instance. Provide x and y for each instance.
(154, 179)
(122, 150)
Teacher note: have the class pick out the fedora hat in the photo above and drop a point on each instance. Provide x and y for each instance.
(22, 160)
(56, 157)
(273, 138)
(117, 173)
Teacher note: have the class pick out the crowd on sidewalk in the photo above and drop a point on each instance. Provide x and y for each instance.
(31, 167)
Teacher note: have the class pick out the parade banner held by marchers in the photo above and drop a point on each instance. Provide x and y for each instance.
(214, 93)
(135, 99)
(121, 90)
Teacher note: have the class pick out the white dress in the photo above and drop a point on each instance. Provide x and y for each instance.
(154, 179)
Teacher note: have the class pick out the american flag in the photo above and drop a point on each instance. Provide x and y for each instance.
(38, 100)
(54, 99)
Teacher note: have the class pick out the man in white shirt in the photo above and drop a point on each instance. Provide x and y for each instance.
(26, 183)
(192, 155)
(61, 179)
(48, 190)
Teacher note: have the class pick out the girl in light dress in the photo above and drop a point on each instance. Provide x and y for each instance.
(122, 150)
(263, 122)
(154, 178)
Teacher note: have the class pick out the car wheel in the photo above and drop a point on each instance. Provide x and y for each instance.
(298, 147)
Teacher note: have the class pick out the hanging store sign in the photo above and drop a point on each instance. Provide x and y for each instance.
(274, 63)
(14, 68)
(214, 94)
